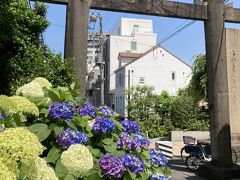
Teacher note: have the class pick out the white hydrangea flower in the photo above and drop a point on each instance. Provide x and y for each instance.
(77, 159)
(43, 82)
(32, 89)
(39, 170)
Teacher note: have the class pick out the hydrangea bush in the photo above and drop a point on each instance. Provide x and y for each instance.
(78, 141)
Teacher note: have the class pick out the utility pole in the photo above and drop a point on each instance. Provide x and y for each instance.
(76, 38)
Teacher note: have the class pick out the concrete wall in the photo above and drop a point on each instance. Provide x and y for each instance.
(177, 136)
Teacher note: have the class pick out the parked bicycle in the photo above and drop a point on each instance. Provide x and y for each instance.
(198, 152)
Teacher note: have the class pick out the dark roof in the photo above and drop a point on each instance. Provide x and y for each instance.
(130, 55)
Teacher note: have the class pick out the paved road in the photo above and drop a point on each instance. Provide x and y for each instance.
(180, 171)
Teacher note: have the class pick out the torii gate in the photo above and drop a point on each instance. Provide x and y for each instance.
(214, 15)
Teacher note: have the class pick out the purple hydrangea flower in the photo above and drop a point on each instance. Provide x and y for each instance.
(60, 110)
(106, 111)
(87, 110)
(130, 126)
(69, 137)
(157, 158)
(125, 141)
(103, 125)
(133, 163)
(1, 116)
(111, 166)
(157, 176)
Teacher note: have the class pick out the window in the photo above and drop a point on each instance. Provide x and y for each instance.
(141, 80)
(135, 28)
(173, 75)
(133, 45)
(121, 80)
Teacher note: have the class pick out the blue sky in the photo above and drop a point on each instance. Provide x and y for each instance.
(185, 44)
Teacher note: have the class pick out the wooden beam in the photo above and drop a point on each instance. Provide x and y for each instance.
(62, 2)
(157, 8)
(163, 8)
(153, 7)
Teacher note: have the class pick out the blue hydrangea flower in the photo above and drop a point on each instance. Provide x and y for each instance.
(106, 111)
(130, 126)
(133, 163)
(60, 110)
(103, 125)
(1, 116)
(69, 137)
(157, 176)
(126, 141)
(157, 158)
(142, 139)
(87, 110)
(111, 166)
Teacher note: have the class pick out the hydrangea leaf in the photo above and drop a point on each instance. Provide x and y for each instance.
(94, 176)
(60, 169)
(70, 177)
(58, 130)
(71, 125)
(133, 176)
(107, 141)
(118, 125)
(53, 155)
(53, 95)
(43, 134)
(35, 128)
(96, 152)
(44, 112)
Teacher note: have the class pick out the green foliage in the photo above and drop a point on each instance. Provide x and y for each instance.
(47, 129)
(187, 115)
(141, 104)
(151, 110)
(160, 114)
(22, 57)
(198, 83)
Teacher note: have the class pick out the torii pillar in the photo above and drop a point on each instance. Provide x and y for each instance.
(221, 167)
(76, 39)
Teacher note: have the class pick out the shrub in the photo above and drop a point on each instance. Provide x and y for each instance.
(85, 142)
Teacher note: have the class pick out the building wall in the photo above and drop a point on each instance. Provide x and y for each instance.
(156, 68)
(120, 41)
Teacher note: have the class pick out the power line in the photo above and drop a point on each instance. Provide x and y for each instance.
(176, 32)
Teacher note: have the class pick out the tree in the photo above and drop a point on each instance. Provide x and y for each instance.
(141, 106)
(22, 55)
(198, 83)
(162, 106)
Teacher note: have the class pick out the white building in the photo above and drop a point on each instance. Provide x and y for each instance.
(157, 67)
(130, 35)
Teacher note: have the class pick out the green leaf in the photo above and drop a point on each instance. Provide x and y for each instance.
(71, 124)
(108, 141)
(118, 125)
(54, 95)
(35, 128)
(96, 152)
(60, 169)
(43, 134)
(127, 177)
(53, 155)
(70, 177)
(44, 112)
(133, 176)
(58, 130)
